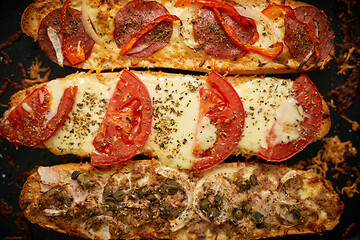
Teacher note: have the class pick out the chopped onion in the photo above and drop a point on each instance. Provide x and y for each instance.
(288, 176)
(186, 215)
(262, 22)
(26, 107)
(53, 212)
(55, 40)
(187, 30)
(217, 183)
(86, 21)
(49, 175)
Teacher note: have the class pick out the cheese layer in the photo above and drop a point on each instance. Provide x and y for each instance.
(175, 99)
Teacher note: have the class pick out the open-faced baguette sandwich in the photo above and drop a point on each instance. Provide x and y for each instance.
(236, 37)
(185, 121)
(144, 199)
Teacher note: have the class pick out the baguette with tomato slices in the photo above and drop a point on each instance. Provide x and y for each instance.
(185, 121)
(144, 199)
(236, 37)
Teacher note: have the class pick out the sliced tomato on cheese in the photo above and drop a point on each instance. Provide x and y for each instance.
(127, 122)
(309, 99)
(223, 107)
(30, 123)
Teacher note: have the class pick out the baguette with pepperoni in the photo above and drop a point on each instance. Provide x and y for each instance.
(145, 199)
(185, 121)
(236, 37)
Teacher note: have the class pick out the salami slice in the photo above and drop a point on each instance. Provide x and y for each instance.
(74, 29)
(133, 17)
(212, 38)
(320, 25)
(297, 38)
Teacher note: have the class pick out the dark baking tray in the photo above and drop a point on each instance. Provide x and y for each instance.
(15, 161)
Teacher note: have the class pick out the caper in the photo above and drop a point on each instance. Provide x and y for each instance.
(296, 213)
(246, 207)
(67, 200)
(85, 181)
(119, 195)
(213, 212)
(109, 206)
(244, 185)
(75, 174)
(163, 210)
(217, 200)
(143, 191)
(237, 214)
(151, 197)
(253, 180)
(259, 219)
(169, 186)
(91, 213)
(204, 204)
(107, 193)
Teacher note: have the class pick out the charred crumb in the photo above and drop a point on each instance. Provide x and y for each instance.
(9, 42)
(348, 58)
(5, 208)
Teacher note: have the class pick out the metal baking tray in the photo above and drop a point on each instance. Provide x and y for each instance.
(15, 161)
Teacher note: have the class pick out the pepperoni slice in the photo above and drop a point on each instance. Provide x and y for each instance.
(320, 25)
(223, 106)
(214, 41)
(30, 122)
(299, 41)
(127, 122)
(74, 29)
(310, 101)
(132, 18)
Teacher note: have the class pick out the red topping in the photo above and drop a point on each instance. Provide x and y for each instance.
(145, 30)
(30, 122)
(310, 101)
(127, 122)
(223, 106)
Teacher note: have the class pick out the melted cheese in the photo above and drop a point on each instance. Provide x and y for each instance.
(182, 45)
(266, 102)
(84, 120)
(175, 101)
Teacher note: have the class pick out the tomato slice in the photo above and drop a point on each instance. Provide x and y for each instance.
(74, 53)
(223, 106)
(276, 48)
(310, 101)
(30, 122)
(127, 122)
(145, 30)
(225, 7)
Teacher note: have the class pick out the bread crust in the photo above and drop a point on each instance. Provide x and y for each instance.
(111, 77)
(34, 204)
(176, 55)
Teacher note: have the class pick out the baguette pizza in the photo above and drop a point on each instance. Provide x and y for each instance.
(146, 200)
(235, 37)
(185, 121)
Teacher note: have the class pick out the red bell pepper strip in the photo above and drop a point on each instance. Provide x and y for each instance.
(275, 11)
(278, 46)
(145, 30)
(229, 9)
(74, 53)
